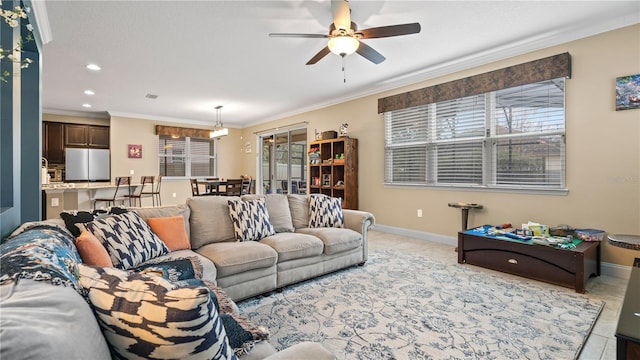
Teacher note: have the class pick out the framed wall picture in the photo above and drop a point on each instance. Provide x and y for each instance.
(628, 92)
(134, 151)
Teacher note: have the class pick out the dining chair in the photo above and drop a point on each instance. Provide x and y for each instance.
(140, 192)
(246, 186)
(294, 186)
(195, 191)
(234, 187)
(111, 200)
(302, 187)
(213, 189)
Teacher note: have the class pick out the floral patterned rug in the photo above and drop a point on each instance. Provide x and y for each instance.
(401, 306)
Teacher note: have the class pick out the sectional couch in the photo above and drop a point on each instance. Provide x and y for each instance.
(305, 238)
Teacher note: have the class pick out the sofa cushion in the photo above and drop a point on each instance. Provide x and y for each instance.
(299, 206)
(43, 321)
(236, 257)
(171, 231)
(149, 317)
(209, 220)
(335, 239)
(73, 217)
(294, 245)
(278, 209)
(165, 211)
(325, 211)
(128, 239)
(91, 250)
(250, 219)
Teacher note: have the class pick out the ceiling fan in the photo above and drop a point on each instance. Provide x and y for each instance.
(344, 36)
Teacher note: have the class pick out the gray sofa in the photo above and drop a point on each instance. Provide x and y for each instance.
(41, 320)
(295, 253)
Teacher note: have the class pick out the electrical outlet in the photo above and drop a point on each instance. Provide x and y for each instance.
(419, 213)
(131, 172)
(174, 194)
(55, 202)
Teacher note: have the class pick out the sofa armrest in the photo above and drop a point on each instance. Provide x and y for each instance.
(360, 221)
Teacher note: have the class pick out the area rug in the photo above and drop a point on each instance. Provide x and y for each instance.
(401, 306)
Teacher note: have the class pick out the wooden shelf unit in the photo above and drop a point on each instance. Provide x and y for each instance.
(325, 172)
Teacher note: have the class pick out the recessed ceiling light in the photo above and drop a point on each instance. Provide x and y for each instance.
(89, 92)
(86, 105)
(93, 67)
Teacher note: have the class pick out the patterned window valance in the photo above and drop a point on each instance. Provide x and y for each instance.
(534, 71)
(180, 132)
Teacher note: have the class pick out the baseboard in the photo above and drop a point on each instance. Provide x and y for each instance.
(608, 269)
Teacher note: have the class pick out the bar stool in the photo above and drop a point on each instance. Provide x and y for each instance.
(156, 192)
(140, 193)
(111, 200)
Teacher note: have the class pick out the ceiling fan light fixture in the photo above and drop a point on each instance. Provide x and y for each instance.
(343, 45)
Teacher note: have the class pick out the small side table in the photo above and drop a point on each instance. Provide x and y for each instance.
(465, 211)
(625, 241)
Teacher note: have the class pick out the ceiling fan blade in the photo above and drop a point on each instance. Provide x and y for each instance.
(369, 53)
(291, 35)
(341, 14)
(322, 53)
(391, 30)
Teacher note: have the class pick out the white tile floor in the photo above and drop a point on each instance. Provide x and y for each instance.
(601, 344)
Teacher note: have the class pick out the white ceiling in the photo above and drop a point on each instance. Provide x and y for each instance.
(196, 55)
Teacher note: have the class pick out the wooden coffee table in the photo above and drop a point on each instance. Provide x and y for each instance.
(564, 267)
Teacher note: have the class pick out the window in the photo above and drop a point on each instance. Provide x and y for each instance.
(510, 138)
(187, 157)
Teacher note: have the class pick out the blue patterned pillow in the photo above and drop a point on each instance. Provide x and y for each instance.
(250, 219)
(148, 317)
(127, 238)
(325, 211)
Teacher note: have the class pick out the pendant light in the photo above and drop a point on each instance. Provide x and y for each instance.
(219, 129)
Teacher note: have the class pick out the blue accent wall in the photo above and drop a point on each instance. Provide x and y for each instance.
(20, 136)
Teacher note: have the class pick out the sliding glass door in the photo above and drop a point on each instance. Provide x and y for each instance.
(283, 161)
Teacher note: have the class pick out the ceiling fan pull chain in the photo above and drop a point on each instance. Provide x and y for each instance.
(344, 67)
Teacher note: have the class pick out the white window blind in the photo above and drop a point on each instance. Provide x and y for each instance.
(510, 138)
(186, 157)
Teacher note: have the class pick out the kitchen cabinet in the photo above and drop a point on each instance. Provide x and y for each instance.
(53, 142)
(333, 169)
(76, 135)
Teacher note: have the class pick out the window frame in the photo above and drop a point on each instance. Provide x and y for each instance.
(488, 140)
(187, 157)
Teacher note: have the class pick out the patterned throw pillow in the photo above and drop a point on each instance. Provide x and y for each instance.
(127, 238)
(325, 211)
(73, 217)
(149, 317)
(250, 219)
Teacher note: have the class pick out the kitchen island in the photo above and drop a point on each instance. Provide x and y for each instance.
(57, 197)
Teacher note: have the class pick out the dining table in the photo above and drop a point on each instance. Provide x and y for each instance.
(214, 186)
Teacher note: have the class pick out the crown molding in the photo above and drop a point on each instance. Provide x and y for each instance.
(41, 18)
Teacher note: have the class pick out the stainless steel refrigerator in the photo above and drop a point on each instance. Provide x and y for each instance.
(87, 165)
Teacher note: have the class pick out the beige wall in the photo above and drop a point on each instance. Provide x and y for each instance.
(603, 153)
(126, 131)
